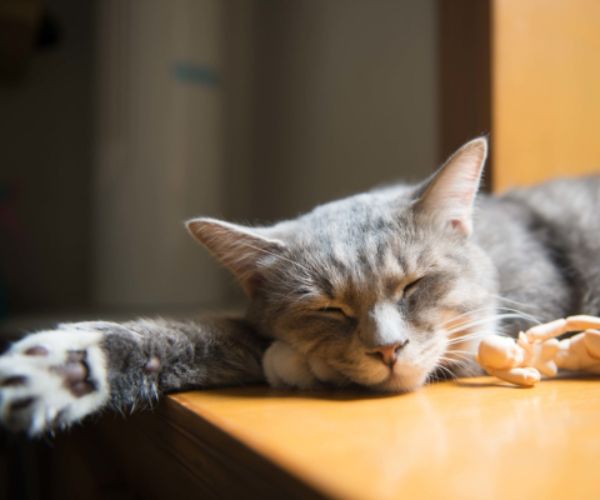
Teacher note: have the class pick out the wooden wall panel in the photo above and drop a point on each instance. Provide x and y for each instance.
(545, 89)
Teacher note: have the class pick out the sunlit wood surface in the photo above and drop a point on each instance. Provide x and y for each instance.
(473, 439)
(545, 89)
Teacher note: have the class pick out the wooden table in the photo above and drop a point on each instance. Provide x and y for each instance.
(468, 439)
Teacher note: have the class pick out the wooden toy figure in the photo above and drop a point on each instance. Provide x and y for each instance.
(538, 353)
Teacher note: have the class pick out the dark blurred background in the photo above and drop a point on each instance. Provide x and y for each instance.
(120, 119)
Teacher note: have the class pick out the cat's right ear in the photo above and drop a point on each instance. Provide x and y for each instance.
(242, 250)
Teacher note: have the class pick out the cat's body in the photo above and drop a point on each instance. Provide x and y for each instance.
(382, 290)
(545, 242)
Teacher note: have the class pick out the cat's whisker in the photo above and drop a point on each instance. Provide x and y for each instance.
(445, 369)
(467, 336)
(522, 314)
(465, 339)
(507, 313)
(467, 367)
(481, 321)
(459, 358)
(462, 315)
(466, 330)
(510, 301)
(460, 352)
(470, 339)
(478, 310)
(464, 333)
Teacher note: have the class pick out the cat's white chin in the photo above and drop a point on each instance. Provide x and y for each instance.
(402, 379)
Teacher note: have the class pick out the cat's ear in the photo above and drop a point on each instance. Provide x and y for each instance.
(449, 195)
(242, 250)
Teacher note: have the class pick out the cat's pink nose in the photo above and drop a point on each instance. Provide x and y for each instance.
(389, 353)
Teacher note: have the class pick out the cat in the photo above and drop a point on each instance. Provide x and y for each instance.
(383, 290)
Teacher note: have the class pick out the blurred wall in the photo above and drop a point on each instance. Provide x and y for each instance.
(149, 112)
(346, 99)
(311, 100)
(159, 150)
(46, 127)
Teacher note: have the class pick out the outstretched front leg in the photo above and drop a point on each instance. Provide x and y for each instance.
(51, 379)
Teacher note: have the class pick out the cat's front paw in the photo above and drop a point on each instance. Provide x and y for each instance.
(284, 367)
(51, 379)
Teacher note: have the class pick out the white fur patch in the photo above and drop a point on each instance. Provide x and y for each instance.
(325, 373)
(45, 387)
(284, 367)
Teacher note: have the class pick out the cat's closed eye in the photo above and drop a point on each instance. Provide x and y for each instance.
(411, 287)
(335, 311)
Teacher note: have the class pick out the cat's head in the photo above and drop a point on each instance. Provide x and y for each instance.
(377, 285)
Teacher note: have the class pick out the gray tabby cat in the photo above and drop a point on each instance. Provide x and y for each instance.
(381, 290)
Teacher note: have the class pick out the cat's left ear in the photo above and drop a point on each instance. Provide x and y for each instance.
(449, 195)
